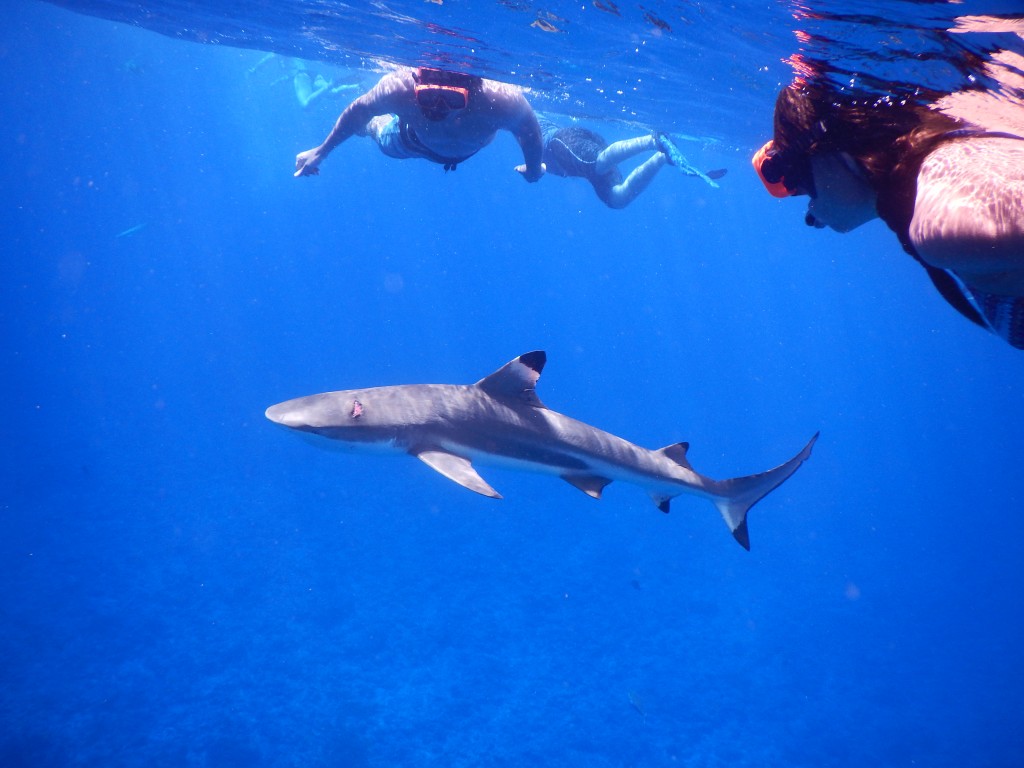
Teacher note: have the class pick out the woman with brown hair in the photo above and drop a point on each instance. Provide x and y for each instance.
(951, 189)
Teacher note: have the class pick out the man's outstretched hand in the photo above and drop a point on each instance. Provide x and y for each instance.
(529, 175)
(308, 163)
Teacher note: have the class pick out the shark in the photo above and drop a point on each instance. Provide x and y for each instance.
(500, 421)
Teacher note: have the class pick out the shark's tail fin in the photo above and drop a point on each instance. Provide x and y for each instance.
(735, 497)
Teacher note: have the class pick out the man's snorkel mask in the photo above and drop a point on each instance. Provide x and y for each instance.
(439, 93)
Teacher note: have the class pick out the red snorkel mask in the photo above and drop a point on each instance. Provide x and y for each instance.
(770, 170)
(439, 93)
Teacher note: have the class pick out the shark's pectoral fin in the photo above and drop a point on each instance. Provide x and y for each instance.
(458, 469)
(592, 485)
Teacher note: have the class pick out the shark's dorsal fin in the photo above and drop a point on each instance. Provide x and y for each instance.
(677, 452)
(517, 380)
(458, 469)
(592, 485)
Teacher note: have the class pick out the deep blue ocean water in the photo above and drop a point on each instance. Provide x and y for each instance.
(184, 583)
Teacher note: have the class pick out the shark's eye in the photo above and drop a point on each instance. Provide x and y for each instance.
(357, 409)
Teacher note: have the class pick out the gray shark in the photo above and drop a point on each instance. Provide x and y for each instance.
(500, 421)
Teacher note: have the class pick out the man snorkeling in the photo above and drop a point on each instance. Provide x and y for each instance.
(443, 117)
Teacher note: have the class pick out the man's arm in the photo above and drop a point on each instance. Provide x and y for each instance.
(520, 120)
(383, 98)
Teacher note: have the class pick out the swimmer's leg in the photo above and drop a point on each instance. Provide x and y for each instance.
(303, 88)
(615, 153)
(626, 191)
(259, 64)
(307, 91)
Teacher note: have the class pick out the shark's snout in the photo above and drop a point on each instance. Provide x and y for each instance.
(285, 415)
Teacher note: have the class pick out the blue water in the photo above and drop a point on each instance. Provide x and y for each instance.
(185, 584)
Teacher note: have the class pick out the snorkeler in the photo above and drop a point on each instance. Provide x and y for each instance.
(581, 153)
(308, 86)
(950, 186)
(444, 117)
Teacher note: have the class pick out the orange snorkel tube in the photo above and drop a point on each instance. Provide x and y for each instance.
(775, 188)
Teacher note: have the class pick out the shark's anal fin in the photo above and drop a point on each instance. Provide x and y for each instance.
(592, 485)
(677, 453)
(458, 469)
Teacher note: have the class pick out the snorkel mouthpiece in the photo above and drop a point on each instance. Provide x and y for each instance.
(762, 162)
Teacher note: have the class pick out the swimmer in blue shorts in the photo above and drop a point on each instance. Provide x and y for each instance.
(443, 117)
(581, 153)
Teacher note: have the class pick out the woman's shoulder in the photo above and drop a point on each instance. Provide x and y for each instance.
(975, 159)
(969, 209)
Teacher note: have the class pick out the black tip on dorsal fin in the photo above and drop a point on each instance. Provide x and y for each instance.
(534, 360)
(517, 380)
